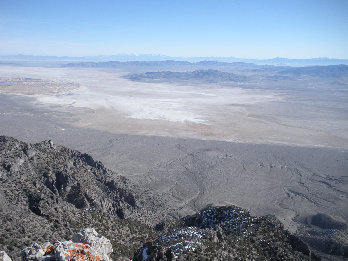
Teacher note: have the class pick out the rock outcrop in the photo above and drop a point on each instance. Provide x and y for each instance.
(4, 256)
(98, 243)
(226, 233)
(85, 245)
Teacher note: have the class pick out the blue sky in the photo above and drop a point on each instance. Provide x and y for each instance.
(247, 29)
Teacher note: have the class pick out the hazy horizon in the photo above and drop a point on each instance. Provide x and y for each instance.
(164, 56)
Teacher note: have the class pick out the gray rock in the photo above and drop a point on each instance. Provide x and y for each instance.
(38, 252)
(4, 256)
(69, 251)
(35, 252)
(86, 245)
(60, 250)
(98, 243)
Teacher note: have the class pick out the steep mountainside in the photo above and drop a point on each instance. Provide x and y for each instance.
(49, 193)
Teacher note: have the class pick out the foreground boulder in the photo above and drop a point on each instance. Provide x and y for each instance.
(4, 256)
(85, 245)
(97, 242)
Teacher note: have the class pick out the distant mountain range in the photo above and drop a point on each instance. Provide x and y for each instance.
(157, 57)
(210, 76)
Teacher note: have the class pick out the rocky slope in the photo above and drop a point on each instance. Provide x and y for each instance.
(49, 193)
(215, 233)
(226, 233)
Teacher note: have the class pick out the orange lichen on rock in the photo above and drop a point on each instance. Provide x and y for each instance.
(79, 245)
(81, 253)
(49, 250)
(87, 245)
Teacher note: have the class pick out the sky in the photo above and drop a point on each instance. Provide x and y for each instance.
(240, 28)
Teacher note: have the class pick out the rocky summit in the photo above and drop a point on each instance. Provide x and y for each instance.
(60, 204)
(84, 245)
